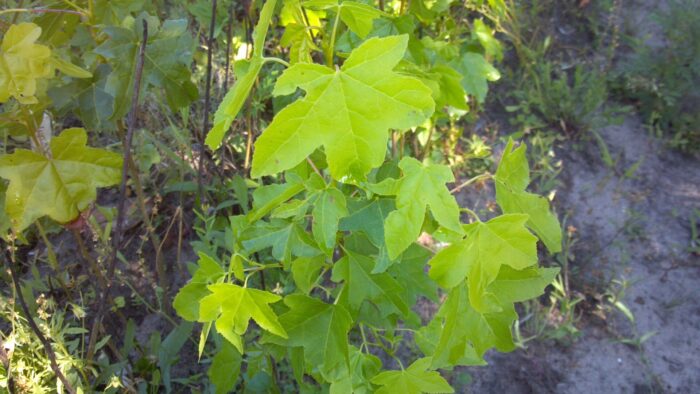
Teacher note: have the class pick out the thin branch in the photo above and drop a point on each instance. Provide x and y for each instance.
(229, 38)
(32, 324)
(121, 203)
(41, 11)
(207, 99)
(469, 182)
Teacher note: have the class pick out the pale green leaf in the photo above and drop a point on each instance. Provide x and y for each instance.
(340, 112)
(233, 306)
(70, 69)
(421, 187)
(186, 302)
(329, 208)
(57, 186)
(22, 62)
(484, 34)
(476, 72)
(235, 98)
(479, 256)
(467, 334)
(516, 286)
(512, 177)
(415, 379)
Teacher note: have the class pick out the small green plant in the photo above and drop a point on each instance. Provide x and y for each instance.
(571, 102)
(661, 80)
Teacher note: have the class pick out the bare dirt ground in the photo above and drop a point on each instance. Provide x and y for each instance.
(633, 225)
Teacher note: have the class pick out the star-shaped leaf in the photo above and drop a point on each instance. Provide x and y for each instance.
(415, 379)
(348, 110)
(512, 177)
(356, 378)
(320, 328)
(358, 17)
(467, 334)
(164, 67)
(420, 187)
(476, 71)
(233, 306)
(57, 186)
(186, 302)
(22, 62)
(368, 216)
(355, 271)
(286, 239)
(479, 256)
(87, 99)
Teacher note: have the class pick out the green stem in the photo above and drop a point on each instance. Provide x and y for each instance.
(331, 46)
(470, 181)
(275, 60)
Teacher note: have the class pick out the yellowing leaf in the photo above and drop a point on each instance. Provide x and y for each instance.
(60, 186)
(349, 111)
(233, 306)
(512, 177)
(420, 187)
(22, 62)
(415, 379)
(478, 257)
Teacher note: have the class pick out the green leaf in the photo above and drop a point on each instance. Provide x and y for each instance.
(415, 379)
(467, 334)
(305, 271)
(421, 186)
(235, 98)
(358, 17)
(287, 239)
(479, 256)
(169, 351)
(411, 275)
(57, 186)
(355, 271)
(297, 37)
(87, 99)
(233, 306)
(225, 368)
(186, 302)
(476, 71)
(166, 64)
(484, 34)
(329, 208)
(512, 177)
(516, 286)
(70, 69)
(320, 328)
(367, 216)
(22, 62)
(356, 378)
(335, 111)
